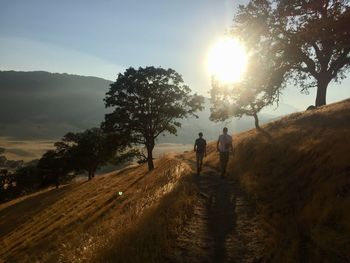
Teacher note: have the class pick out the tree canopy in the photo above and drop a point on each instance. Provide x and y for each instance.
(310, 37)
(264, 76)
(147, 102)
(87, 151)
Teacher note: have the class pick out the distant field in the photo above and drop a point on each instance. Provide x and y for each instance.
(33, 149)
(165, 148)
(25, 149)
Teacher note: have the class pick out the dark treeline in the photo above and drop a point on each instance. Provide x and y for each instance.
(76, 153)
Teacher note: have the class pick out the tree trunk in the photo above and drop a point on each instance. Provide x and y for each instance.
(255, 115)
(91, 172)
(150, 147)
(321, 92)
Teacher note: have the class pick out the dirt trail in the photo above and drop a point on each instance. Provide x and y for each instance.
(225, 226)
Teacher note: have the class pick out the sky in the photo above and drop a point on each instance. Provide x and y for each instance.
(102, 38)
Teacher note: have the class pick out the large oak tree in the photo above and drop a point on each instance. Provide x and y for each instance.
(264, 76)
(147, 102)
(311, 37)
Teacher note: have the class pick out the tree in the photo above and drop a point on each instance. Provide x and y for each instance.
(262, 81)
(258, 88)
(148, 102)
(88, 150)
(311, 37)
(27, 177)
(235, 101)
(53, 168)
(3, 158)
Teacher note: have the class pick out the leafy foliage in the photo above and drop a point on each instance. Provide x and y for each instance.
(147, 102)
(261, 83)
(310, 37)
(53, 168)
(27, 178)
(86, 151)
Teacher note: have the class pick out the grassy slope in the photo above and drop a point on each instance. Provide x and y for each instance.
(298, 170)
(87, 220)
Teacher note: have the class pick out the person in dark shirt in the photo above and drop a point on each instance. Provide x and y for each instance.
(200, 147)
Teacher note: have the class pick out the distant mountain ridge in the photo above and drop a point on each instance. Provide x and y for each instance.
(43, 105)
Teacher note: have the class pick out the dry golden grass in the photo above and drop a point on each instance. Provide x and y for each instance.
(74, 222)
(298, 171)
(150, 238)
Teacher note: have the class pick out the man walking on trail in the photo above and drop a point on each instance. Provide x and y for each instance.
(200, 147)
(223, 146)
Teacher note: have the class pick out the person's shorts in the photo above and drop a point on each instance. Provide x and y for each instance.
(199, 156)
(224, 157)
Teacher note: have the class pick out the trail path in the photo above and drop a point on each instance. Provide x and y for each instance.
(225, 226)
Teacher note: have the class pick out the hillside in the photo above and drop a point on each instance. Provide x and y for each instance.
(285, 199)
(298, 172)
(74, 222)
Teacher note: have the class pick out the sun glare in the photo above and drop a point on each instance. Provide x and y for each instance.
(227, 60)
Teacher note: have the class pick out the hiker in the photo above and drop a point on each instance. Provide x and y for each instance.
(223, 146)
(200, 147)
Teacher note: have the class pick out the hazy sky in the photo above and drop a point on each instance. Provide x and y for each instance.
(101, 38)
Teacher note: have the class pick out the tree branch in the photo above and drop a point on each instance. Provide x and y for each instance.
(340, 62)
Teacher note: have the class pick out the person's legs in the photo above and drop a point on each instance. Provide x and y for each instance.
(223, 162)
(200, 162)
(200, 157)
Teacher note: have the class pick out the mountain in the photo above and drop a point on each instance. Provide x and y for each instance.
(43, 105)
(286, 196)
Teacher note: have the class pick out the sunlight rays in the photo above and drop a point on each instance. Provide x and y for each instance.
(227, 60)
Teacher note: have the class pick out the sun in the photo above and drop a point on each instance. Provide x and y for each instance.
(227, 60)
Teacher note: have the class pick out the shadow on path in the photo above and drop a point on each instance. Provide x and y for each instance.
(225, 226)
(221, 212)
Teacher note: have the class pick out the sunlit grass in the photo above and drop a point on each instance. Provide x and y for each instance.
(74, 222)
(298, 174)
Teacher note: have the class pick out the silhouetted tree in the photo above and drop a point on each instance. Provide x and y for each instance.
(147, 102)
(311, 38)
(88, 150)
(5, 181)
(2, 157)
(27, 177)
(230, 101)
(53, 168)
(261, 82)
(3, 178)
